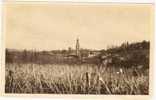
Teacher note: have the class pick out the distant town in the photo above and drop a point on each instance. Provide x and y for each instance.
(125, 53)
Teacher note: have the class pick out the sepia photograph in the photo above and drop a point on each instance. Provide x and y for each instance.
(93, 49)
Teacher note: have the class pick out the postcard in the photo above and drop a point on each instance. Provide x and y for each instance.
(78, 49)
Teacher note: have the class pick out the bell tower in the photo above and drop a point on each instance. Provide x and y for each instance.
(77, 48)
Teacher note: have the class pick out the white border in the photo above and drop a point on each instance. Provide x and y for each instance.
(106, 1)
(70, 97)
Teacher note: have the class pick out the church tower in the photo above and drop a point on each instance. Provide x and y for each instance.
(77, 48)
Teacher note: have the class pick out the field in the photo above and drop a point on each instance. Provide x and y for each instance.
(74, 79)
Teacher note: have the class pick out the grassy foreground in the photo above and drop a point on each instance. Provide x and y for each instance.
(74, 79)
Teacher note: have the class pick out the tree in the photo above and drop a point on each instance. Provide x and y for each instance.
(24, 56)
(9, 57)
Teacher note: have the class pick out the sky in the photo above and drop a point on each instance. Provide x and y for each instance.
(57, 26)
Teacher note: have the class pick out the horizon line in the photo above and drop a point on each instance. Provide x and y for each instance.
(82, 48)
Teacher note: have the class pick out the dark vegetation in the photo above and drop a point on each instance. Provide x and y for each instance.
(129, 55)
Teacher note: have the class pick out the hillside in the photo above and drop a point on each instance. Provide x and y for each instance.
(134, 54)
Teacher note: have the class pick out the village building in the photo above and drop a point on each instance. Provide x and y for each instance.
(81, 53)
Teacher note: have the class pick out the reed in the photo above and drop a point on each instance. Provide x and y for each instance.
(73, 79)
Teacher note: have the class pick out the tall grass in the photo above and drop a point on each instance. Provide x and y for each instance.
(74, 79)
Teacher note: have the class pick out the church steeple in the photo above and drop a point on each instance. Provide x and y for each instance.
(77, 48)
